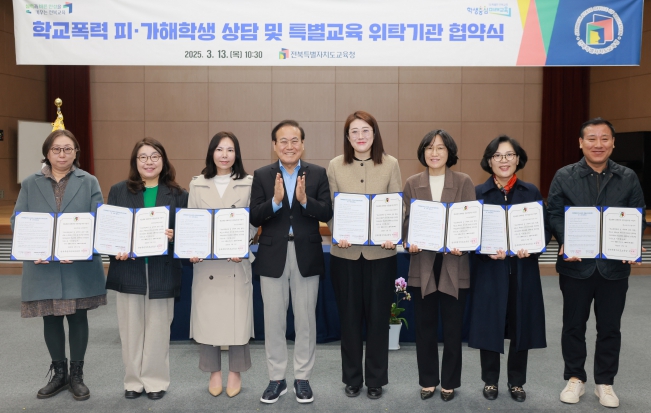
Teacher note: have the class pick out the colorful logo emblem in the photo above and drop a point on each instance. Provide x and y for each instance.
(284, 54)
(68, 6)
(386, 200)
(76, 219)
(599, 30)
(524, 209)
(232, 215)
(621, 214)
(151, 214)
(465, 207)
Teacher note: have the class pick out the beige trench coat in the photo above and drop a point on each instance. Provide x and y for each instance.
(222, 293)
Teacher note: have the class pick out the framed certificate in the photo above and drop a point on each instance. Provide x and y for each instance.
(427, 221)
(350, 220)
(231, 233)
(622, 234)
(33, 236)
(74, 236)
(526, 225)
(494, 235)
(113, 230)
(464, 226)
(386, 218)
(149, 225)
(193, 233)
(582, 232)
(367, 219)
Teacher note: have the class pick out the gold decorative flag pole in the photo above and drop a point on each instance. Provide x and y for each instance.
(58, 123)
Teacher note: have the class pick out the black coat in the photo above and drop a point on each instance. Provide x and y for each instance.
(578, 185)
(272, 251)
(490, 285)
(164, 271)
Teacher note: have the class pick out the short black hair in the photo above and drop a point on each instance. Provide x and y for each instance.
(287, 122)
(492, 148)
(597, 121)
(210, 171)
(447, 141)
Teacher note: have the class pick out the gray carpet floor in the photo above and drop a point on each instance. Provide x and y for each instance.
(24, 362)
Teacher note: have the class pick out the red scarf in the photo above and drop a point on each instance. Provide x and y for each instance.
(509, 185)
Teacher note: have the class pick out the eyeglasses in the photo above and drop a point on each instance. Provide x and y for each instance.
(67, 150)
(438, 149)
(285, 142)
(355, 133)
(499, 157)
(154, 158)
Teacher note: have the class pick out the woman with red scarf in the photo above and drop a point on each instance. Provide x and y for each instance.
(507, 300)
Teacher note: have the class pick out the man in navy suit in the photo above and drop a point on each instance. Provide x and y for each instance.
(288, 199)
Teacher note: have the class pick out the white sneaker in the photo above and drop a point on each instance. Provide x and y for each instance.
(574, 389)
(607, 396)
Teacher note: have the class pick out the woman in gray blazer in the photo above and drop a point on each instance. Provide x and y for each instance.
(435, 279)
(60, 186)
(147, 286)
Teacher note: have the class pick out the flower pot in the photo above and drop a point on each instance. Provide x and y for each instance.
(394, 336)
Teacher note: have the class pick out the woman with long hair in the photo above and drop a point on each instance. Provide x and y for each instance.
(222, 293)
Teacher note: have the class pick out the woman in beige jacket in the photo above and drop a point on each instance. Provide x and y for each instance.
(435, 279)
(222, 294)
(363, 276)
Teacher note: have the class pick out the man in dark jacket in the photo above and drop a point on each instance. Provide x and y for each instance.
(288, 199)
(593, 181)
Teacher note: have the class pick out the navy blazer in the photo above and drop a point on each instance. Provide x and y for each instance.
(164, 271)
(55, 280)
(490, 285)
(272, 251)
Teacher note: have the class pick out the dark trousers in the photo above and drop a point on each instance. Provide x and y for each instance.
(517, 360)
(55, 335)
(426, 312)
(364, 292)
(609, 300)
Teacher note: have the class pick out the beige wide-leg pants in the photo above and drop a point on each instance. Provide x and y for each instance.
(145, 334)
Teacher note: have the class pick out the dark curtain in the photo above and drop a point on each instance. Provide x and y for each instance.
(565, 106)
(72, 85)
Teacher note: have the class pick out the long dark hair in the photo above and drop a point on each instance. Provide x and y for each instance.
(210, 170)
(167, 174)
(377, 150)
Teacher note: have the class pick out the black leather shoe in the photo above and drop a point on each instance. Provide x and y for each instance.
(352, 391)
(426, 394)
(130, 394)
(156, 395)
(490, 391)
(58, 379)
(517, 393)
(446, 396)
(374, 392)
(77, 387)
(303, 391)
(274, 390)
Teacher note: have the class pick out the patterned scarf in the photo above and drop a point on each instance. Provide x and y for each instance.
(506, 188)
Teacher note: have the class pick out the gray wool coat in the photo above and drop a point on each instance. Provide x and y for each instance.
(54, 280)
